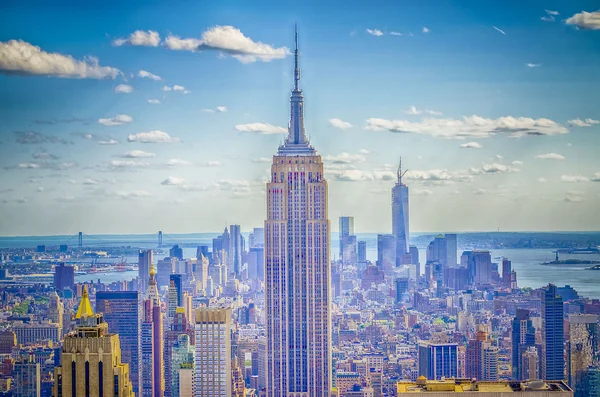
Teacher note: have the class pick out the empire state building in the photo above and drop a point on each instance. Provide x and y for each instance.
(297, 265)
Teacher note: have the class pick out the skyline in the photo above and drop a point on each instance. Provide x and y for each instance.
(77, 151)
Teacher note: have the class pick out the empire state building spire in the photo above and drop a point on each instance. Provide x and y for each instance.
(296, 141)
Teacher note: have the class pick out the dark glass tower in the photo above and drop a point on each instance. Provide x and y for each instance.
(553, 365)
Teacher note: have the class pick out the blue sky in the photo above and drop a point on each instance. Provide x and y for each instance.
(493, 107)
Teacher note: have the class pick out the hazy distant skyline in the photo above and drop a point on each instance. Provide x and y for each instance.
(122, 119)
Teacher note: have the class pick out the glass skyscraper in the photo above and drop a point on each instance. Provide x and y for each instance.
(437, 360)
(553, 365)
(122, 311)
(297, 265)
(400, 217)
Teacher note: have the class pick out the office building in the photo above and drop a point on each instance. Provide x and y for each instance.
(92, 364)
(36, 332)
(152, 343)
(437, 360)
(362, 252)
(553, 367)
(386, 252)
(212, 369)
(180, 325)
(583, 349)
(178, 283)
(182, 367)
(56, 310)
(8, 340)
(522, 338)
(235, 250)
(176, 252)
(64, 277)
(400, 214)
(447, 388)
(479, 266)
(529, 365)
(145, 258)
(348, 246)
(256, 263)
(27, 377)
(165, 268)
(256, 238)
(506, 272)
(297, 297)
(451, 250)
(122, 312)
(201, 270)
(414, 256)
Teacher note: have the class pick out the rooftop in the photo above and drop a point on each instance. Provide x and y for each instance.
(422, 385)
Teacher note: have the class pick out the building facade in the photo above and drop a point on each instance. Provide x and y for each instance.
(553, 364)
(297, 281)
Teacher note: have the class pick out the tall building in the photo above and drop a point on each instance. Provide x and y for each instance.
(522, 338)
(437, 360)
(451, 250)
(400, 224)
(553, 367)
(479, 266)
(27, 377)
(386, 252)
(348, 247)
(178, 282)
(201, 270)
(56, 310)
(583, 349)
(257, 269)
(297, 265)
(179, 326)
(212, 369)
(529, 363)
(506, 272)
(152, 343)
(256, 238)
(145, 258)
(122, 311)
(64, 277)
(182, 367)
(176, 252)
(235, 250)
(91, 359)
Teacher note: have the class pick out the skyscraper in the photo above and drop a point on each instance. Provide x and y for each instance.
(212, 370)
(91, 359)
(64, 277)
(400, 225)
(297, 265)
(122, 312)
(152, 343)
(348, 248)
(144, 264)
(553, 365)
(437, 360)
(179, 326)
(522, 337)
(386, 252)
(27, 377)
(584, 349)
(235, 250)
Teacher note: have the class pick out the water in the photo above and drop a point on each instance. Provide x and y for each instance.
(526, 262)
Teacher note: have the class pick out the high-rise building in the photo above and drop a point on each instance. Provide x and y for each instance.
(529, 363)
(56, 310)
(522, 338)
(362, 251)
(489, 370)
(122, 311)
(386, 252)
(176, 252)
(91, 359)
(182, 367)
(152, 343)
(553, 367)
(27, 377)
(145, 258)
(256, 238)
(201, 270)
(506, 272)
(437, 360)
(400, 213)
(235, 250)
(64, 277)
(348, 247)
(451, 250)
(178, 282)
(414, 256)
(179, 326)
(583, 349)
(256, 269)
(479, 266)
(297, 282)
(212, 369)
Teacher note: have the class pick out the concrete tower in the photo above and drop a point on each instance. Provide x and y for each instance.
(297, 265)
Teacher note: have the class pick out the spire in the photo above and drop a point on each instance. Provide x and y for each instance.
(85, 307)
(296, 67)
(152, 271)
(400, 172)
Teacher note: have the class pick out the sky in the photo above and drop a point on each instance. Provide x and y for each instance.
(146, 116)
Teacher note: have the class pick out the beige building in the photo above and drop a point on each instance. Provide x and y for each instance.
(212, 369)
(91, 359)
(449, 387)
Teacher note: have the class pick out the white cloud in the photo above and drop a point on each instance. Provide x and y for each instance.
(178, 162)
(152, 137)
(338, 123)
(218, 109)
(346, 158)
(119, 119)
(470, 127)
(123, 89)
(260, 128)
(533, 65)
(499, 30)
(138, 154)
(262, 160)
(425, 30)
(364, 151)
(173, 181)
(375, 32)
(412, 111)
(28, 165)
(154, 101)
(479, 191)
(517, 162)
(471, 145)
(586, 20)
(109, 141)
(582, 123)
(128, 164)
(550, 16)
(550, 156)
(212, 164)
(396, 33)
(130, 195)
(22, 58)
(422, 192)
(148, 75)
(429, 175)
(176, 87)
(573, 199)
(494, 168)
(574, 178)
(148, 38)
(433, 112)
(499, 157)
(229, 40)
(542, 180)
(353, 175)
(550, 12)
